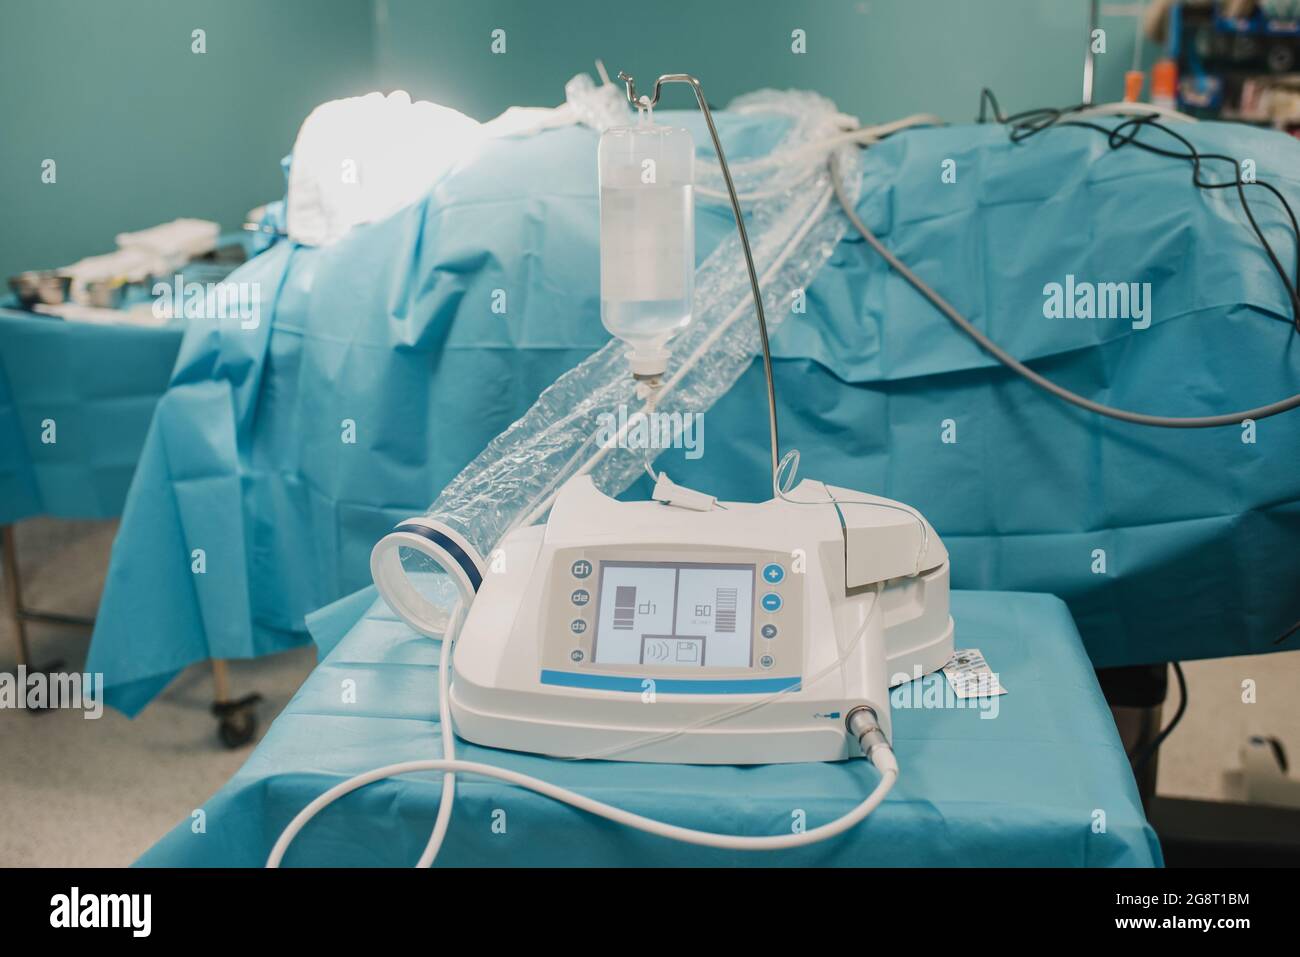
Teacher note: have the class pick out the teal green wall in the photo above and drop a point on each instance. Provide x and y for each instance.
(878, 59)
(142, 129)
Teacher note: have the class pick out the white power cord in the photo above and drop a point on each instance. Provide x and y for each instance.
(881, 756)
(1133, 109)
(443, 820)
(877, 749)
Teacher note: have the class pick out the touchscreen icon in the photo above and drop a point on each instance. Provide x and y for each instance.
(672, 650)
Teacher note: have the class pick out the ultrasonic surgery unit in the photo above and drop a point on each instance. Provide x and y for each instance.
(680, 629)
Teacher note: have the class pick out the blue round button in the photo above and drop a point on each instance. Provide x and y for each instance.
(773, 574)
(581, 568)
(771, 602)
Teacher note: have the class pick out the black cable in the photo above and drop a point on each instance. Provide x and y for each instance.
(1018, 367)
(1288, 633)
(1032, 122)
(1149, 751)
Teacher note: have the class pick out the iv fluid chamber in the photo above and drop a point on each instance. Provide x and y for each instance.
(647, 238)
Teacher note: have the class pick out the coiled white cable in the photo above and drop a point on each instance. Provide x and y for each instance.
(881, 756)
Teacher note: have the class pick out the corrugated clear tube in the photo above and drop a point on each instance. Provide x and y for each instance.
(793, 227)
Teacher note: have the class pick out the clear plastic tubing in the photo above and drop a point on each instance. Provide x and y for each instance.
(428, 560)
(647, 237)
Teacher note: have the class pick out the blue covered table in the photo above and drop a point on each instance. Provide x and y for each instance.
(1043, 783)
(76, 399)
(99, 385)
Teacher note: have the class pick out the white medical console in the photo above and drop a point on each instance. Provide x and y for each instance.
(642, 631)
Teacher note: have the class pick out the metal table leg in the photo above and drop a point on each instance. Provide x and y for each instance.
(21, 613)
(13, 588)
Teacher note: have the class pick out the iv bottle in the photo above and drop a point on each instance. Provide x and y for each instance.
(647, 238)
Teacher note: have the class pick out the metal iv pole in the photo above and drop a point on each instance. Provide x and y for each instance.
(1090, 58)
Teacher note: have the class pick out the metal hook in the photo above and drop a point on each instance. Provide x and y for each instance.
(629, 84)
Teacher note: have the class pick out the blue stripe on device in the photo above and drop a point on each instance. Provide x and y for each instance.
(601, 682)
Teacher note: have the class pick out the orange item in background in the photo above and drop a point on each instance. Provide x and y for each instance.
(1133, 81)
(1164, 82)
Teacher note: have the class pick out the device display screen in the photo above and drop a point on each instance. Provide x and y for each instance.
(675, 614)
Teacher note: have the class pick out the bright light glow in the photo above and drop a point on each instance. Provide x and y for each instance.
(360, 159)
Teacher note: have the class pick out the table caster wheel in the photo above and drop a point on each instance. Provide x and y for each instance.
(237, 720)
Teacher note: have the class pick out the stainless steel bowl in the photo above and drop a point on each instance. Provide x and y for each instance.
(106, 293)
(45, 286)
